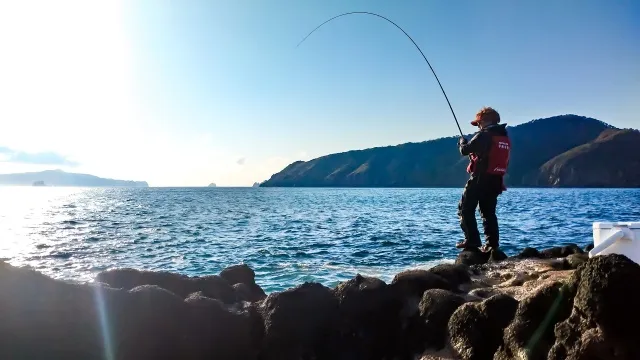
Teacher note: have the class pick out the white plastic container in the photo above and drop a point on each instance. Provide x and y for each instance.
(617, 238)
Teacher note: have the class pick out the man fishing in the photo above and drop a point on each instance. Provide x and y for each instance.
(488, 151)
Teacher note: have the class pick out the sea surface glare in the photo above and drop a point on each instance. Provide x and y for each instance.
(287, 235)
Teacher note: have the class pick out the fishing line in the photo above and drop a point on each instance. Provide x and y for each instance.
(414, 43)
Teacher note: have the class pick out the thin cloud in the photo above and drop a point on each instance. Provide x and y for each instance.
(42, 158)
(241, 161)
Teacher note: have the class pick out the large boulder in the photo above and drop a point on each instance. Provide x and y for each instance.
(436, 308)
(531, 331)
(604, 318)
(561, 251)
(298, 322)
(456, 274)
(212, 286)
(371, 319)
(244, 275)
(475, 329)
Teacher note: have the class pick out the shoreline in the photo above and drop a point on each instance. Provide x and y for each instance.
(481, 306)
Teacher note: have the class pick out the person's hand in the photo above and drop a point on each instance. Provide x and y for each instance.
(462, 141)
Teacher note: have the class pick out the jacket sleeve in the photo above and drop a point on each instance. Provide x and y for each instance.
(476, 145)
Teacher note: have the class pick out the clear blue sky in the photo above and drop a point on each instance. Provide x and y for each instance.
(193, 92)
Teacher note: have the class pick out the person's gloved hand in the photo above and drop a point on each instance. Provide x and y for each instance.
(462, 141)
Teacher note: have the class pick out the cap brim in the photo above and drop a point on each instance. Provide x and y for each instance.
(474, 123)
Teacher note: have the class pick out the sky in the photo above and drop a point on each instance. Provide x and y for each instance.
(186, 93)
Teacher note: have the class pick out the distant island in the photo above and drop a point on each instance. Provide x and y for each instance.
(212, 185)
(560, 151)
(62, 178)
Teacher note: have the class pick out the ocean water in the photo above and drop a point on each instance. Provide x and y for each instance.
(287, 235)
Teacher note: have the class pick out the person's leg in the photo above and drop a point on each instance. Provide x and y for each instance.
(487, 203)
(467, 214)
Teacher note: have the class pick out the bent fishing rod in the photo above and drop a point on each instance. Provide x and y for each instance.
(414, 43)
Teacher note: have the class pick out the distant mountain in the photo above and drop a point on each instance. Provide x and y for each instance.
(437, 163)
(611, 160)
(61, 178)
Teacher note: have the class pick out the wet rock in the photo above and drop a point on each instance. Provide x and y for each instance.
(603, 323)
(455, 274)
(528, 253)
(212, 286)
(436, 308)
(472, 257)
(475, 329)
(298, 322)
(531, 331)
(372, 317)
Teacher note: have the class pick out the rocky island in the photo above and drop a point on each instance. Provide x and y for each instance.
(551, 304)
(63, 178)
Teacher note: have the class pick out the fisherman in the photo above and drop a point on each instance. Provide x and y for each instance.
(488, 152)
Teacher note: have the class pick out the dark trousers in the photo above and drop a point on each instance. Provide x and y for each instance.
(483, 193)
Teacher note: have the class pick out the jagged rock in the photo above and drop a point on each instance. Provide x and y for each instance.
(298, 322)
(372, 319)
(603, 323)
(472, 257)
(455, 274)
(436, 308)
(475, 329)
(531, 331)
(212, 286)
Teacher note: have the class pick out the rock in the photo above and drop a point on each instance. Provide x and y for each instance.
(531, 331)
(213, 330)
(575, 260)
(44, 318)
(298, 322)
(212, 286)
(497, 255)
(238, 274)
(436, 308)
(243, 274)
(603, 323)
(455, 274)
(371, 321)
(589, 247)
(413, 283)
(475, 329)
(472, 257)
(528, 253)
(561, 251)
(484, 293)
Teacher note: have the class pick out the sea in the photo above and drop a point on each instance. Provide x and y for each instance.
(287, 235)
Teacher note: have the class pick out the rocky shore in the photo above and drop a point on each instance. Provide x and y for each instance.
(552, 304)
